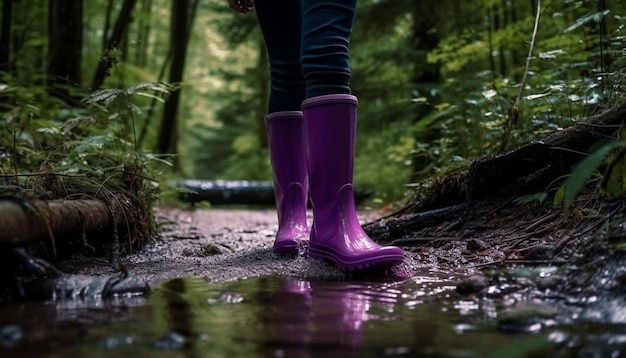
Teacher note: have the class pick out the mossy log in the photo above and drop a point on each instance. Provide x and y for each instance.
(24, 220)
(524, 169)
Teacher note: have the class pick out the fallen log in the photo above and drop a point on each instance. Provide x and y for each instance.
(530, 166)
(237, 192)
(24, 220)
(227, 192)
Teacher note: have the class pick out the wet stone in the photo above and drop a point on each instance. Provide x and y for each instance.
(10, 335)
(540, 252)
(114, 342)
(526, 317)
(170, 341)
(476, 245)
(211, 249)
(130, 285)
(550, 282)
(379, 231)
(472, 284)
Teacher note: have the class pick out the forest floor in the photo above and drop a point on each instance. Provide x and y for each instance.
(480, 240)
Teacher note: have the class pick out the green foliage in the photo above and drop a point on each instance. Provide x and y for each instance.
(531, 198)
(60, 152)
(436, 91)
(482, 67)
(612, 183)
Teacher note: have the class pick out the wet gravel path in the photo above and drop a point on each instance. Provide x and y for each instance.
(225, 245)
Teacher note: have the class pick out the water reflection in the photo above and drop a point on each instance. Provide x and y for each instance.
(289, 317)
(326, 315)
(272, 315)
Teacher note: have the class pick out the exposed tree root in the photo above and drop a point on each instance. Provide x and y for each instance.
(527, 168)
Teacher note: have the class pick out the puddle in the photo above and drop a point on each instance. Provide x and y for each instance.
(281, 317)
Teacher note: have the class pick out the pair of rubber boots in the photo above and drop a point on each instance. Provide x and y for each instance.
(318, 143)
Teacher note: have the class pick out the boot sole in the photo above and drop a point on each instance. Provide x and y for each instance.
(374, 260)
(291, 248)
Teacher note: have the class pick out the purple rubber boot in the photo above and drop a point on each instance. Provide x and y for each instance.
(285, 132)
(336, 235)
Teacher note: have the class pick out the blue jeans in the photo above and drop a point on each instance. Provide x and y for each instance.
(307, 44)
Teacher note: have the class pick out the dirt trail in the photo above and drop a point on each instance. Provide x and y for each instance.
(232, 244)
(222, 245)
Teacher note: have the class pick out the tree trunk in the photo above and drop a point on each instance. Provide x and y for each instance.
(65, 45)
(121, 25)
(5, 35)
(182, 18)
(107, 25)
(143, 34)
(424, 38)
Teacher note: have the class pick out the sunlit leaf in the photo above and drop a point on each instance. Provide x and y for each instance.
(133, 107)
(160, 160)
(594, 16)
(48, 130)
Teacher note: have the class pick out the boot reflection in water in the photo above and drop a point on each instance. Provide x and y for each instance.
(323, 314)
(307, 44)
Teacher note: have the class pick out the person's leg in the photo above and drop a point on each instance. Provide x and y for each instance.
(330, 127)
(280, 23)
(326, 30)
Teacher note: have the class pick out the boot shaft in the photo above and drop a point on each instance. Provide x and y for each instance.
(286, 139)
(330, 126)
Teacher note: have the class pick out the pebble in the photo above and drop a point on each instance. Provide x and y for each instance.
(114, 342)
(10, 336)
(550, 282)
(170, 341)
(526, 317)
(472, 284)
(476, 245)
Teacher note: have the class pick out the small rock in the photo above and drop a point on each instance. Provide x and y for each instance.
(170, 341)
(10, 335)
(550, 282)
(211, 249)
(130, 285)
(378, 231)
(540, 252)
(114, 342)
(526, 317)
(476, 245)
(472, 284)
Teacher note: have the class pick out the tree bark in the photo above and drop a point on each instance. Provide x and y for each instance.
(65, 45)
(5, 35)
(182, 18)
(143, 34)
(29, 221)
(119, 29)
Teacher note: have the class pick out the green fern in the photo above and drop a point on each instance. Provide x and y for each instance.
(584, 171)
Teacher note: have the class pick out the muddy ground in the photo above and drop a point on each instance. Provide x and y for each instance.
(220, 245)
(475, 238)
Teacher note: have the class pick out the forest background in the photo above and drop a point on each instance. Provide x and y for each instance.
(440, 83)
